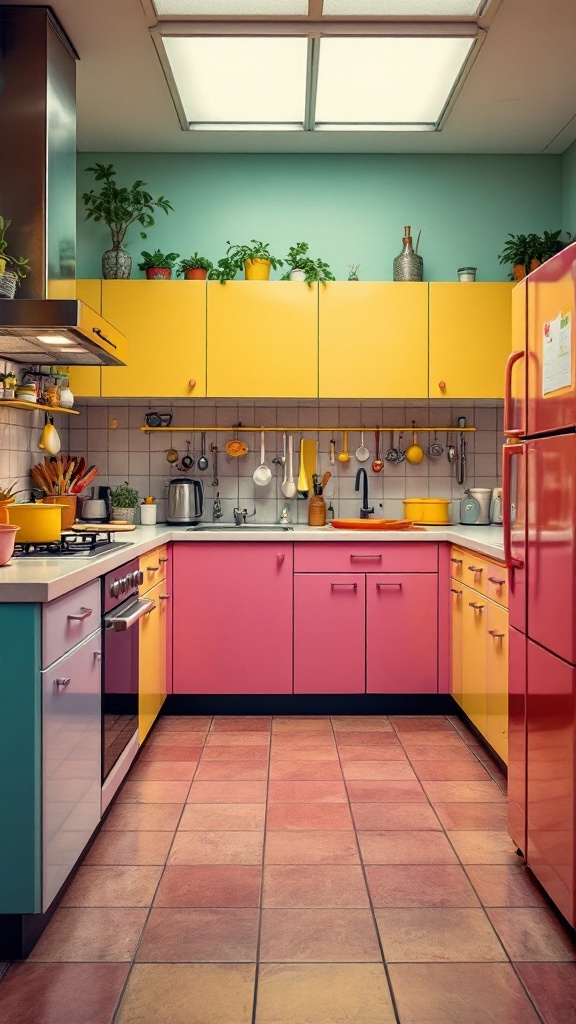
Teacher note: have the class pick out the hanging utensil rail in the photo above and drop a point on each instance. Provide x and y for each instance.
(305, 430)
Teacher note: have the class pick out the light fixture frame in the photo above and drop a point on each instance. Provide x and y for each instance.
(315, 32)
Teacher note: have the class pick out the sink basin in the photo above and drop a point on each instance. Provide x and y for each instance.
(246, 527)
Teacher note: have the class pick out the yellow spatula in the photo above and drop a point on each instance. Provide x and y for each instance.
(308, 458)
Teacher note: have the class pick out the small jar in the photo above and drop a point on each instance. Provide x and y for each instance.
(317, 511)
(466, 273)
(148, 515)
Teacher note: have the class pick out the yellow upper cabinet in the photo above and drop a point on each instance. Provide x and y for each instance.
(373, 340)
(165, 323)
(85, 380)
(470, 339)
(262, 339)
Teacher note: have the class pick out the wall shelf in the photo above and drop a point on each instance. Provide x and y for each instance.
(13, 403)
(312, 429)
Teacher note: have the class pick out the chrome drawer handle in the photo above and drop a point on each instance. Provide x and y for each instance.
(453, 591)
(380, 585)
(62, 683)
(334, 585)
(475, 568)
(457, 560)
(499, 583)
(495, 634)
(477, 607)
(365, 558)
(84, 613)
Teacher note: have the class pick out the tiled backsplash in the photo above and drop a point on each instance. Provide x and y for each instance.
(110, 437)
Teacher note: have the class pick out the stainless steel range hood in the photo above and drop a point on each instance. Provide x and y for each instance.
(45, 324)
(58, 331)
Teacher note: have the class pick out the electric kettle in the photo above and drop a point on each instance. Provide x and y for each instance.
(185, 501)
(475, 508)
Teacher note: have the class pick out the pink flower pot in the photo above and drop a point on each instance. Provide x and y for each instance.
(7, 538)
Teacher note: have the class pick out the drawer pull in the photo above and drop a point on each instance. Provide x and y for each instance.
(98, 655)
(280, 558)
(475, 568)
(457, 560)
(164, 597)
(162, 560)
(152, 568)
(380, 585)
(364, 558)
(62, 683)
(499, 583)
(495, 634)
(453, 591)
(477, 607)
(334, 585)
(84, 613)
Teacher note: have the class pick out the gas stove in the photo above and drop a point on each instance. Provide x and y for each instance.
(72, 545)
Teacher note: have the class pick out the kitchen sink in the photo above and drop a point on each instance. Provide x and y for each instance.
(246, 527)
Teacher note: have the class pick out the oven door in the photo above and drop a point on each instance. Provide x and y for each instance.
(120, 680)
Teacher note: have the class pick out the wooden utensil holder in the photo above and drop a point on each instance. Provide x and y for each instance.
(317, 511)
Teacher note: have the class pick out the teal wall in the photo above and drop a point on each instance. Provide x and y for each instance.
(350, 208)
(569, 190)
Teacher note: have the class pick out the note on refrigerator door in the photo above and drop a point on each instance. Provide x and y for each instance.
(557, 354)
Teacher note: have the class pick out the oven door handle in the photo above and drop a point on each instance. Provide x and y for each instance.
(131, 616)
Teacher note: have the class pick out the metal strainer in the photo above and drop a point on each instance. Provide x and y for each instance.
(435, 449)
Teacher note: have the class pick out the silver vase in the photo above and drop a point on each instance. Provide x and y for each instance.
(408, 266)
(116, 263)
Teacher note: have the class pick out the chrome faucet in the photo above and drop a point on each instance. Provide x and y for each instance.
(365, 510)
(241, 514)
(216, 508)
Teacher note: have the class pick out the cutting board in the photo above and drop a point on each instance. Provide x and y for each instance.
(117, 527)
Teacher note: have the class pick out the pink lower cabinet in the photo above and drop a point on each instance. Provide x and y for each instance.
(402, 633)
(329, 633)
(232, 617)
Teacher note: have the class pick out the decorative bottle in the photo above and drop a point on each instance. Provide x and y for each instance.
(408, 266)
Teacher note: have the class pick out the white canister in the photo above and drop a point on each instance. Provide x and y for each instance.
(147, 515)
(466, 273)
(66, 398)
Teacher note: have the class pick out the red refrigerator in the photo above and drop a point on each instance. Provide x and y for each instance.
(539, 478)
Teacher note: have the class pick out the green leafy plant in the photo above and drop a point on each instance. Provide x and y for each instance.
(314, 270)
(120, 207)
(550, 244)
(194, 262)
(515, 250)
(17, 265)
(159, 259)
(233, 262)
(125, 496)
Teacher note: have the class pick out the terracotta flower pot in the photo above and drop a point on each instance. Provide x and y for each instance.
(158, 273)
(535, 263)
(195, 274)
(519, 271)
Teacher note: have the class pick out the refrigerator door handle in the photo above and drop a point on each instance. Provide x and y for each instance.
(508, 453)
(509, 430)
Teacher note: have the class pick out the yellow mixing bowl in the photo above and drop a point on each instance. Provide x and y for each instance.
(430, 511)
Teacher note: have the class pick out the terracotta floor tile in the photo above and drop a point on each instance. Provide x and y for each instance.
(471, 815)
(455, 751)
(447, 738)
(209, 885)
(146, 817)
(311, 847)
(505, 885)
(288, 886)
(532, 933)
(325, 754)
(238, 739)
(454, 993)
(391, 752)
(130, 848)
(303, 741)
(223, 817)
(433, 934)
(234, 771)
(153, 792)
(184, 723)
(301, 723)
(406, 848)
(306, 771)
(323, 994)
(388, 791)
(227, 793)
(361, 723)
(257, 756)
(61, 993)
(477, 847)
(353, 738)
(158, 771)
(445, 771)
(157, 752)
(241, 723)
(108, 886)
(553, 989)
(184, 935)
(76, 934)
(395, 815)
(385, 770)
(419, 885)
(462, 792)
(420, 723)
(319, 817)
(217, 848)
(188, 994)
(318, 936)
(300, 792)
(170, 738)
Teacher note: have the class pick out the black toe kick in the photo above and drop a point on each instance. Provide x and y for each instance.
(310, 704)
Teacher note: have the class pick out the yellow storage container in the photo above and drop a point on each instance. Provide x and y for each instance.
(429, 511)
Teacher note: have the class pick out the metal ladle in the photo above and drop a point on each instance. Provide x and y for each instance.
(202, 461)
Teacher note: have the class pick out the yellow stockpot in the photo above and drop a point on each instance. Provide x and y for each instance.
(430, 511)
(39, 524)
(256, 270)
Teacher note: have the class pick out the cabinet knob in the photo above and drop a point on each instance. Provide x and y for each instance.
(475, 569)
(453, 591)
(477, 607)
(279, 558)
(458, 561)
(498, 583)
(442, 385)
(98, 655)
(495, 634)
(191, 383)
(61, 684)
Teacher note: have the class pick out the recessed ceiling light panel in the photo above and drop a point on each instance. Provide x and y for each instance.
(231, 8)
(387, 81)
(403, 8)
(248, 80)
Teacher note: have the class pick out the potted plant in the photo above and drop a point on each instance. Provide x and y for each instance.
(520, 250)
(13, 269)
(124, 502)
(158, 265)
(119, 208)
(303, 268)
(550, 244)
(256, 259)
(195, 268)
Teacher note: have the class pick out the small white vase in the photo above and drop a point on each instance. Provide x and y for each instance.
(297, 275)
(66, 398)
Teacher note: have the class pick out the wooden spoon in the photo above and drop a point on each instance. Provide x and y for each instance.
(377, 465)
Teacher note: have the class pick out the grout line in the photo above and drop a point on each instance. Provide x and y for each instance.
(260, 901)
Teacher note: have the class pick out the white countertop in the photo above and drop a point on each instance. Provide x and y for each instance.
(44, 579)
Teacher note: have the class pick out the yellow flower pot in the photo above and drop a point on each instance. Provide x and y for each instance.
(256, 270)
(2, 265)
